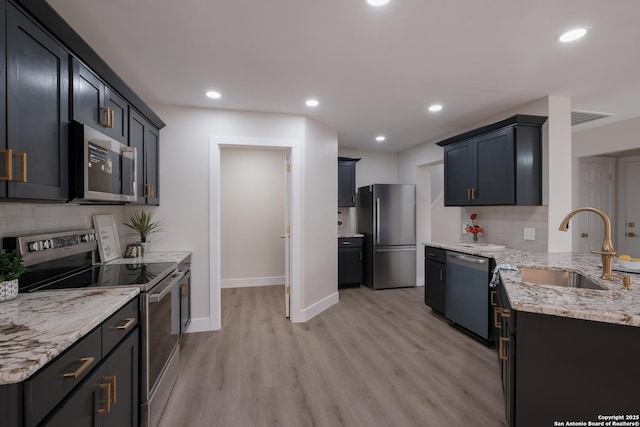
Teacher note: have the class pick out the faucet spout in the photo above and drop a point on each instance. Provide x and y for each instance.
(607, 252)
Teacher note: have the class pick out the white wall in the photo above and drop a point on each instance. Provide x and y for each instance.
(184, 185)
(619, 136)
(252, 216)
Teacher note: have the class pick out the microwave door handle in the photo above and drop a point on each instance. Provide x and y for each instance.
(159, 295)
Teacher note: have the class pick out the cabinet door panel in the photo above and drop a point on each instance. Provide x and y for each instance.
(37, 110)
(496, 166)
(120, 108)
(346, 183)
(122, 365)
(151, 160)
(3, 95)
(349, 266)
(88, 97)
(435, 286)
(459, 173)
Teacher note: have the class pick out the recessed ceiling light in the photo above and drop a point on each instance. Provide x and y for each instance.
(435, 107)
(572, 35)
(377, 2)
(312, 103)
(213, 94)
(380, 138)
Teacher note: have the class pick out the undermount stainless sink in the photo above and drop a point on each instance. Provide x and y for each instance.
(568, 279)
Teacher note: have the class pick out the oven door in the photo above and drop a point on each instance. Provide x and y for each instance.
(161, 330)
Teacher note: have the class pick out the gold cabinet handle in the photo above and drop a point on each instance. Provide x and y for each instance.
(501, 348)
(86, 362)
(353, 199)
(147, 191)
(107, 398)
(493, 296)
(114, 388)
(185, 290)
(107, 116)
(112, 117)
(496, 317)
(8, 164)
(346, 243)
(153, 191)
(468, 194)
(473, 194)
(130, 321)
(441, 275)
(505, 312)
(23, 167)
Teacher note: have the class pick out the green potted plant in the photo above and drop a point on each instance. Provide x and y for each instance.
(11, 268)
(141, 223)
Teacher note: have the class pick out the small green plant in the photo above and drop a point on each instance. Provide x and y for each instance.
(141, 223)
(11, 265)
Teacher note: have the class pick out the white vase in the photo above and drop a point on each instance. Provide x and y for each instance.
(8, 290)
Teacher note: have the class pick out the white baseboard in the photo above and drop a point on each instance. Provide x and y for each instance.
(317, 308)
(201, 324)
(252, 281)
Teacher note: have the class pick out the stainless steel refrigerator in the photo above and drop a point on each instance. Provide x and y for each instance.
(387, 218)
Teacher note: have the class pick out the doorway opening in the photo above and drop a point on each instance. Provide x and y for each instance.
(291, 177)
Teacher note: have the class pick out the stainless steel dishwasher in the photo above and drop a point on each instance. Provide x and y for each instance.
(467, 293)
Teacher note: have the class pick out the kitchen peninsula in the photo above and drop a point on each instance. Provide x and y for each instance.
(564, 353)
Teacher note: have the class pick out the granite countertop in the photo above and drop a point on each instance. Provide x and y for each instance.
(614, 305)
(37, 327)
(160, 256)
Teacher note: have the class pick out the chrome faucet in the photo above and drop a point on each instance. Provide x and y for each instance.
(607, 252)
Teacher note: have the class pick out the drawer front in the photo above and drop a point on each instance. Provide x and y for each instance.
(56, 380)
(350, 242)
(435, 254)
(119, 325)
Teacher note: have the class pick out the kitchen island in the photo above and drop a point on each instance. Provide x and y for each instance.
(566, 355)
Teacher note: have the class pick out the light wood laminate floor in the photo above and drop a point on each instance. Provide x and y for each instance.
(374, 359)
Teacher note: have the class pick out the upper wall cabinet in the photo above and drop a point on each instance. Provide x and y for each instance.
(347, 181)
(95, 104)
(34, 157)
(499, 164)
(145, 138)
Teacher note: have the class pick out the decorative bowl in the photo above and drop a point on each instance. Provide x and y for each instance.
(8, 290)
(631, 265)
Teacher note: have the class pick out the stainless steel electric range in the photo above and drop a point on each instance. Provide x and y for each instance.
(66, 260)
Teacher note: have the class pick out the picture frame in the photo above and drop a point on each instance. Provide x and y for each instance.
(107, 237)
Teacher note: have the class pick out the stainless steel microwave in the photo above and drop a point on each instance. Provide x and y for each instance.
(103, 169)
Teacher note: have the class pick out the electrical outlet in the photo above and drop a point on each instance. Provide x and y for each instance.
(464, 228)
(529, 233)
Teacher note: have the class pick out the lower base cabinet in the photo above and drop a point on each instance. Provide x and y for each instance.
(435, 268)
(109, 396)
(560, 369)
(349, 261)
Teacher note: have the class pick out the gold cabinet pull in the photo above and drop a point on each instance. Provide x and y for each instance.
(8, 164)
(106, 388)
(346, 243)
(112, 117)
(185, 290)
(147, 192)
(114, 389)
(496, 317)
(153, 191)
(86, 362)
(23, 167)
(107, 116)
(130, 321)
(473, 194)
(468, 194)
(501, 348)
(493, 298)
(505, 312)
(441, 275)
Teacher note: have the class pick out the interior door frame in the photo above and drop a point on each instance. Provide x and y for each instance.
(622, 200)
(611, 209)
(293, 146)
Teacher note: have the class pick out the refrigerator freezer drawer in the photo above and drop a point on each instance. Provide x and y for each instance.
(394, 267)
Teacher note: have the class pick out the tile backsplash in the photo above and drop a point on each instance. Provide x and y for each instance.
(20, 219)
(504, 225)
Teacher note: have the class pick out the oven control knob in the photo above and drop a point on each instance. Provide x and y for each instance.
(46, 244)
(84, 237)
(33, 246)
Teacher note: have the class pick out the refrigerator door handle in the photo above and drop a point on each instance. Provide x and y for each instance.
(378, 220)
(396, 250)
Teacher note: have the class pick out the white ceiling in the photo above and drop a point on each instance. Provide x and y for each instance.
(374, 70)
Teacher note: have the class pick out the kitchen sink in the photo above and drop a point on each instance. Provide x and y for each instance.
(568, 279)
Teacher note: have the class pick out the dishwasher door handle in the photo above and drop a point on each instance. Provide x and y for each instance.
(469, 259)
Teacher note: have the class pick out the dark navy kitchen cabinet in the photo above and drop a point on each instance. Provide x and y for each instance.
(34, 161)
(435, 278)
(95, 104)
(499, 164)
(145, 137)
(346, 182)
(349, 261)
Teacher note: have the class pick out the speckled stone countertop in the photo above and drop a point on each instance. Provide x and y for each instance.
(614, 305)
(175, 256)
(37, 327)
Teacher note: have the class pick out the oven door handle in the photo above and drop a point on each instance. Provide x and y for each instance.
(157, 296)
